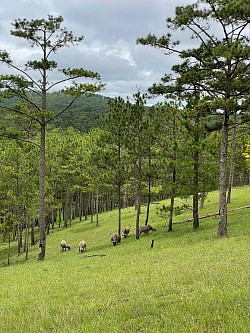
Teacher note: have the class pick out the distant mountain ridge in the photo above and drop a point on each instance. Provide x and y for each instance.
(84, 114)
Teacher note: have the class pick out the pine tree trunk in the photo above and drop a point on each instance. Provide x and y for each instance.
(97, 210)
(195, 211)
(231, 173)
(138, 212)
(172, 198)
(196, 188)
(42, 226)
(171, 212)
(119, 188)
(119, 208)
(9, 251)
(32, 235)
(66, 208)
(19, 237)
(138, 200)
(26, 245)
(222, 227)
(149, 189)
(148, 203)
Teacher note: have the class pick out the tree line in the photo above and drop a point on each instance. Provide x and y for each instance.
(185, 146)
(138, 156)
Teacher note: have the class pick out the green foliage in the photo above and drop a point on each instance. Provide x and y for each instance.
(164, 211)
(83, 115)
(8, 226)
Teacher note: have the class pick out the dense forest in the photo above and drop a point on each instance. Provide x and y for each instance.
(65, 156)
(84, 114)
(135, 157)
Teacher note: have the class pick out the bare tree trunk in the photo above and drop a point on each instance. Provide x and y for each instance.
(222, 227)
(66, 207)
(195, 211)
(26, 247)
(172, 198)
(59, 217)
(32, 236)
(97, 210)
(42, 226)
(171, 212)
(149, 188)
(138, 200)
(19, 237)
(231, 174)
(119, 208)
(148, 203)
(9, 251)
(196, 187)
(138, 211)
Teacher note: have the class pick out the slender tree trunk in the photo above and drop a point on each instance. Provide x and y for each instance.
(222, 227)
(32, 236)
(59, 217)
(119, 189)
(138, 200)
(138, 210)
(80, 206)
(196, 187)
(9, 251)
(231, 174)
(148, 203)
(97, 210)
(54, 218)
(149, 189)
(119, 208)
(172, 197)
(171, 212)
(173, 185)
(86, 208)
(66, 207)
(42, 227)
(195, 211)
(19, 237)
(71, 210)
(27, 238)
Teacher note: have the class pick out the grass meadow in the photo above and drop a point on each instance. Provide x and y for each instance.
(190, 281)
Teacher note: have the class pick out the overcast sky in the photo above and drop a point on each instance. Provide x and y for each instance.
(110, 29)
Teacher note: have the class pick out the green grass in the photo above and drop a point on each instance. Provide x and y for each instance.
(191, 281)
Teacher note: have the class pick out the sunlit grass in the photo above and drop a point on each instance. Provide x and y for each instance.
(190, 281)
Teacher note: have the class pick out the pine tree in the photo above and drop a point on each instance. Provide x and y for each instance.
(48, 37)
(218, 64)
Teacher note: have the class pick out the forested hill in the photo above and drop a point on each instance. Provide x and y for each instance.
(83, 115)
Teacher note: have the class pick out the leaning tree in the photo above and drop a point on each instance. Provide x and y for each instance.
(30, 84)
(217, 64)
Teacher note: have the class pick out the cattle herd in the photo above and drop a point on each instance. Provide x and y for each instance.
(115, 238)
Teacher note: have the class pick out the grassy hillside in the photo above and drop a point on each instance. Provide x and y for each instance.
(190, 281)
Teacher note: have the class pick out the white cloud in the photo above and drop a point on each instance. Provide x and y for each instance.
(110, 28)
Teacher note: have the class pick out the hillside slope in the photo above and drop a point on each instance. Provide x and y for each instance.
(190, 281)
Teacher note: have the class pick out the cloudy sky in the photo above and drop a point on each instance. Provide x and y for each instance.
(110, 29)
